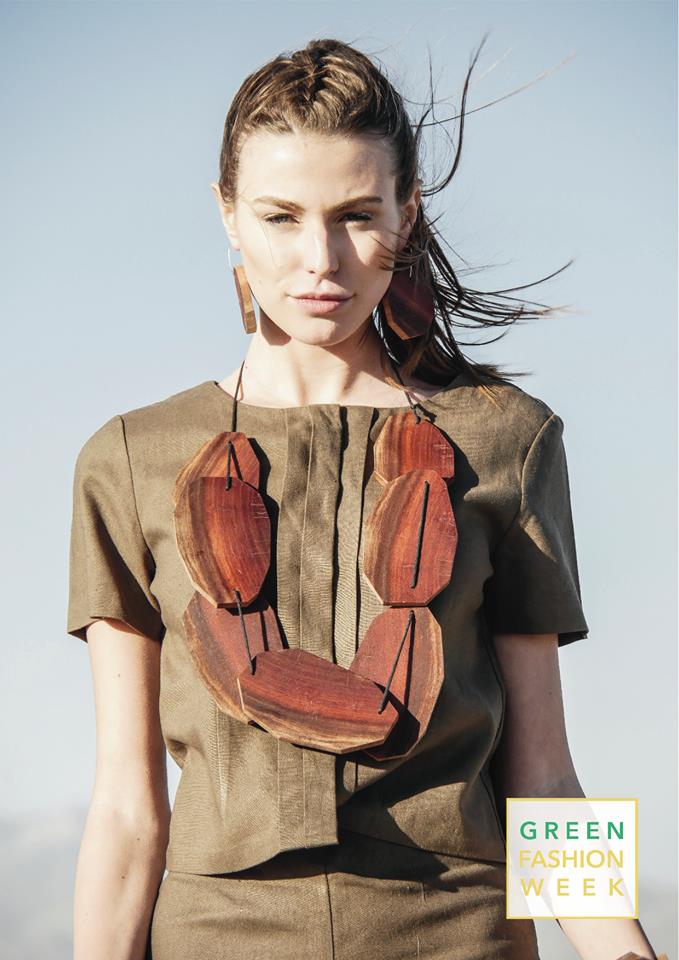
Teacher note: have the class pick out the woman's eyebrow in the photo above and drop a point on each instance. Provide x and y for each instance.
(291, 205)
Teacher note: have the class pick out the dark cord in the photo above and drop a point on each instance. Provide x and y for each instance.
(235, 400)
(425, 498)
(244, 632)
(413, 404)
(411, 620)
(229, 452)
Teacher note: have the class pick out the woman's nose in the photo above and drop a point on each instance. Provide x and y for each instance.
(320, 252)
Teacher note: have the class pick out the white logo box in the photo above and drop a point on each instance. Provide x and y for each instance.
(572, 857)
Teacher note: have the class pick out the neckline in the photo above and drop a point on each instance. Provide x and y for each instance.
(214, 385)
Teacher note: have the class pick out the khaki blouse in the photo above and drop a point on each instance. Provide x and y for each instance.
(244, 795)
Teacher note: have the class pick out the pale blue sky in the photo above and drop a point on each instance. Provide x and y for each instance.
(117, 293)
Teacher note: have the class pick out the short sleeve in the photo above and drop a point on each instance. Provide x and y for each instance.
(110, 564)
(535, 586)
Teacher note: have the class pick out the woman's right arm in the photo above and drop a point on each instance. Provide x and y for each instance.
(122, 852)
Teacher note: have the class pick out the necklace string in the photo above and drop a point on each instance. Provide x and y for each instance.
(229, 451)
(413, 404)
(409, 627)
(411, 619)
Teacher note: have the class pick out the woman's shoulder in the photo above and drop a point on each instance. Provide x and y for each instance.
(495, 434)
(505, 408)
(181, 409)
(175, 407)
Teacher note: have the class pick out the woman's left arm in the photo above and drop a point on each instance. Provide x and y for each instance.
(533, 759)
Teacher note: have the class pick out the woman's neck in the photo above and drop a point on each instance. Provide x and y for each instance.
(282, 372)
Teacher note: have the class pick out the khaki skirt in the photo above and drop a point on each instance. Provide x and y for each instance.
(362, 899)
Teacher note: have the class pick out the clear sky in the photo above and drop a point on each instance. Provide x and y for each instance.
(117, 293)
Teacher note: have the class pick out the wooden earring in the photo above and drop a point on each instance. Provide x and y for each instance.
(408, 305)
(245, 302)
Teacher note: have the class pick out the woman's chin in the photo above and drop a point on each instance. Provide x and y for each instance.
(318, 331)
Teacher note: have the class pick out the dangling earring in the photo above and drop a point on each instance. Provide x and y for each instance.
(247, 307)
(408, 305)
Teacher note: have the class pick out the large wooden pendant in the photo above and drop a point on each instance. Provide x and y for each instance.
(300, 697)
(224, 538)
(212, 458)
(404, 444)
(411, 540)
(417, 679)
(219, 649)
(381, 705)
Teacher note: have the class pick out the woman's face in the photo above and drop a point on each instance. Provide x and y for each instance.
(316, 215)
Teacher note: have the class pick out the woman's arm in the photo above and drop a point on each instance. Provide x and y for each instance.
(122, 853)
(533, 759)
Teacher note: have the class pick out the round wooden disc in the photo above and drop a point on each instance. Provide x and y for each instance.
(404, 444)
(224, 538)
(305, 699)
(210, 461)
(215, 638)
(418, 677)
(393, 530)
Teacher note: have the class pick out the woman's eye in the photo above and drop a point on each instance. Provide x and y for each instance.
(283, 217)
(277, 218)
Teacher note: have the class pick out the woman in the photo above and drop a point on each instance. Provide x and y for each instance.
(279, 846)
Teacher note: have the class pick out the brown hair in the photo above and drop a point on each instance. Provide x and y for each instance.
(331, 87)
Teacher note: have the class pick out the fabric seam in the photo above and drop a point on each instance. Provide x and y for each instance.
(517, 513)
(221, 758)
(301, 611)
(134, 492)
(331, 926)
(156, 605)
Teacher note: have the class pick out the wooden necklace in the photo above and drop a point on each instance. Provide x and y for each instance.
(382, 704)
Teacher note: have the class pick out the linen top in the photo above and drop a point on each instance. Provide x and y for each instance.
(244, 795)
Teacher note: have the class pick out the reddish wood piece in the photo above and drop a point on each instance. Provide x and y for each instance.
(418, 677)
(408, 305)
(210, 461)
(224, 538)
(245, 302)
(404, 444)
(215, 639)
(392, 537)
(305, 699)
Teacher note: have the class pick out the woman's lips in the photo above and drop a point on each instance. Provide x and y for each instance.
(320, 306)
